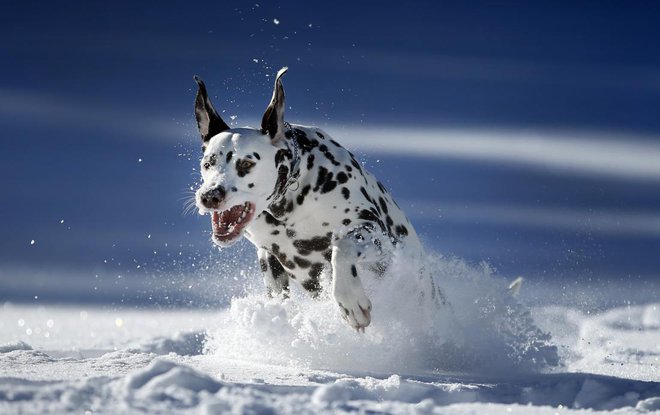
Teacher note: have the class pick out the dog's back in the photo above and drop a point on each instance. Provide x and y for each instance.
(332, 191)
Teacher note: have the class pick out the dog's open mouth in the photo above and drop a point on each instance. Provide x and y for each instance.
(228, 224)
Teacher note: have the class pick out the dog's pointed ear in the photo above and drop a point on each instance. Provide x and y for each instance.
(273, 120)
(208, 120)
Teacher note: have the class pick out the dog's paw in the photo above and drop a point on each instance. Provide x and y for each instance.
(356, 311)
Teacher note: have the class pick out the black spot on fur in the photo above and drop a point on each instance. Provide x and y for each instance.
(325, 224)
(383, 205)
(323, 176)
(346, 192)
(329, 185)
(317, 269)
(258, 157)
(275, 232)
(365, 194)
(401, 230)
(282, 155)
(234, 189)
(304, 143)
(321, 136)
(278, 209)
(250, 185)
(290, 233)
(342, 177)
(310, 161)
(317, 243)
(328, 255)
(303, 193)
(229, 156)
(346, 221)
(263, 265)
(329, 155)
(356, 164)
(370, 216)
(301, 262)
(281, 256)
(276, 268)
(381, 187)
(270, 219)
(354, 271)
(312, 285)
(211, 161)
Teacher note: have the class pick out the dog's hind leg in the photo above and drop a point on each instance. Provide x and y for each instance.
(358, 245)
(275, 276)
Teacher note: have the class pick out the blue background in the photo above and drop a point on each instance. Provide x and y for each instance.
(88, 89)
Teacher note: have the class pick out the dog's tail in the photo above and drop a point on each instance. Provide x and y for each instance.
(515, 285)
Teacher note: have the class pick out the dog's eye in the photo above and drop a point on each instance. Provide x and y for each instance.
(245, 164)
(207, 165)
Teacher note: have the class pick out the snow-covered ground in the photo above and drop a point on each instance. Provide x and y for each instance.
(480, 352)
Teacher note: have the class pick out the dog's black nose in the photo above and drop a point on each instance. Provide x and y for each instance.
(211, 199)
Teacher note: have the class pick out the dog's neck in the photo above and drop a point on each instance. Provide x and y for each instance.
(288, 171)
(292, 144)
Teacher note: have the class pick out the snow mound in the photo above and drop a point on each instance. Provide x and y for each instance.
(169, 383)
(648, 405)
(182, 344)
(20, 353)
(393, 388)
(576, 391)
(10, 347)
(431, 314)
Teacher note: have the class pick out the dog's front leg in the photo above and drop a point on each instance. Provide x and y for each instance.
(275, 276)
(347, 289)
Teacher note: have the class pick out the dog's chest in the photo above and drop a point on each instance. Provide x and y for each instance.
(300, 246)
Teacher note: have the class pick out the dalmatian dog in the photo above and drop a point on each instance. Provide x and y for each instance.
(304, 201)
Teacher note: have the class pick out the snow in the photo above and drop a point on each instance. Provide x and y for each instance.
(481, 327)
(476, 351)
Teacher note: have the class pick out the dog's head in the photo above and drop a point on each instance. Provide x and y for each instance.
(239, 165)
